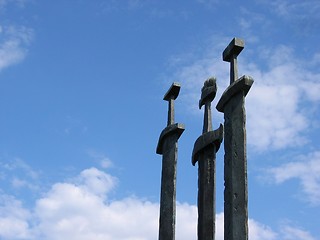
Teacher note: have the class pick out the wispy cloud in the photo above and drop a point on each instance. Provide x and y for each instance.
(18, 183)
(18, 165)
(14, 39)
(294, 233)
(297, 9)
(303, 16)
(16, 174)
(74, 126)
(19, 3)
(307, 170)
(100, 158)
(14, 42)
(208, 3)
(112, 6)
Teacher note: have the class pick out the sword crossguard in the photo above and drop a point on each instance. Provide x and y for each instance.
(209, 138)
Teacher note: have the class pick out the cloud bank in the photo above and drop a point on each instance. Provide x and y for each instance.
(79, 209)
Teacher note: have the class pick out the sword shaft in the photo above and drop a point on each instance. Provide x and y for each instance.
(206, 194)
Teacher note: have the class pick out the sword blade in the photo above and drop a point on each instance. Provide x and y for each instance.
(206, 194)
(168, 189)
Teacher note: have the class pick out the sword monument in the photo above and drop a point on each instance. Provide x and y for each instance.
(168, 147)
(232, 104)
(204, 152)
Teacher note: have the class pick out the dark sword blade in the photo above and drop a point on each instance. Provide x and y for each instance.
(235, 171)
(168, 147)
(168, 189)
(232, 104)
(206, 194)
(204, 152)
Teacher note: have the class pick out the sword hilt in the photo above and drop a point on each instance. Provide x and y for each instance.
(208, 93)
(230, 54)
(170, 96)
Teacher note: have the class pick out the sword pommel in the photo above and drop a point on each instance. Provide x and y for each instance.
(173, 92)
(233, 49)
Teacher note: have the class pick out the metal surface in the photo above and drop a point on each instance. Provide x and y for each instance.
(168, 147)
(230, 54)
(204, 152)
(170, 96)
(232, 104)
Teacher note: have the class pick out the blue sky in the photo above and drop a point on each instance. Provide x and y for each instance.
(81, 88)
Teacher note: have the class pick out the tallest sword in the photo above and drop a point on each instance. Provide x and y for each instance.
(232, 104)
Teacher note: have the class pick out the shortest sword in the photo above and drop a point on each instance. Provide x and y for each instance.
(168, 147)
(204, 152)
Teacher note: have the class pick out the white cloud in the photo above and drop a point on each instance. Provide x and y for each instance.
(19, 3)
(18, 164)
(257, 231)
(14, 40)
(302, 16)
(260, 231)
(186, 222)
(280, 100)
(96, 181)
(307, 170)
(283, 99)
(294, 233)
(13, 219)
(16, 182)
(100, 158)
(82, 204)
(77, 210)
(18, 174)
(296, 9)
(13, 44)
